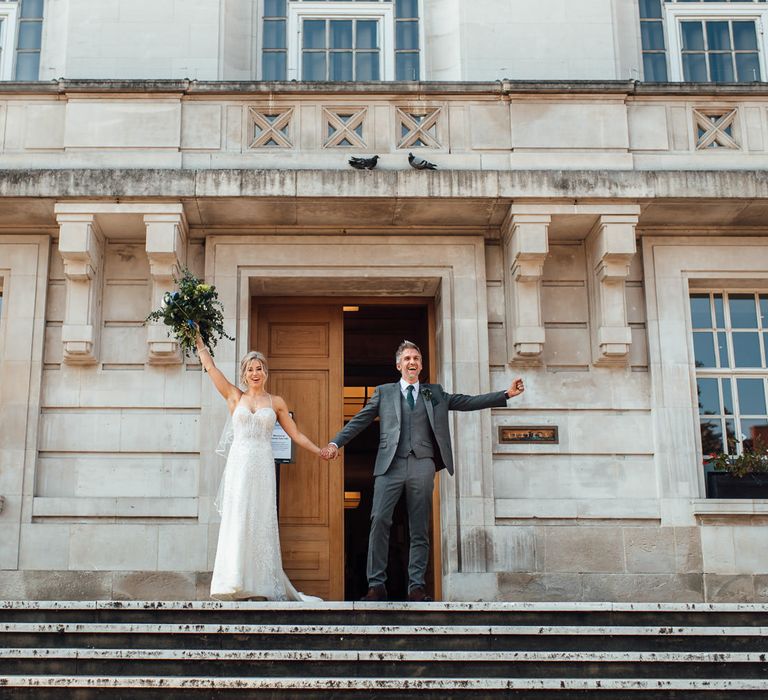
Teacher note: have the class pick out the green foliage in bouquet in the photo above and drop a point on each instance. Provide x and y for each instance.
(752, 460)
(195, 305)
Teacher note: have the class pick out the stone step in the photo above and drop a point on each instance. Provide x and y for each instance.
(325, 687)
(246, 663)
(389, 637)
(386, 613)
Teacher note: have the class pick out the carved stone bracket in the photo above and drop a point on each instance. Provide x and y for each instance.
(81, 245)
(610, 249)
(166, 249)
(526, 245)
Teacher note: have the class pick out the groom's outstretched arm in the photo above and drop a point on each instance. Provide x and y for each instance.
(496, 399)
(361, 420)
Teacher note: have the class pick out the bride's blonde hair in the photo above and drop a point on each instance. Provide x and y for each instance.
(250, 357)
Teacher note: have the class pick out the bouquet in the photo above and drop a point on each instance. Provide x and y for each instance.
(194, 307)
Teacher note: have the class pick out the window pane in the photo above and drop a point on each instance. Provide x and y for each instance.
(652, 35)
(313, 66)
(727, 398)
(754, 430)
(273, 66)
(711, 436)
(367, 34)
(695, 68)
(274, 33)
(32, 8)
(341, 65)
(719, 312)
(314, 34)
(407, 35)
(367, 66)
(28, 66)
(30, 35)
(747, 67)
(721, 68)
(341, 34)
(274, 8)
(650, 8)
(743, 311)
(406, 8)
(693, 36)
(744, 36)
(655, 67)
(703, 350)
(406, 66)
(718, 36)
(751, 397)
(746, 350)
(709, 397)
(722, 349)
(701, 316)
(730, 437)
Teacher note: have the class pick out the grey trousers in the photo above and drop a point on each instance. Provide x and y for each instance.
(417, 477)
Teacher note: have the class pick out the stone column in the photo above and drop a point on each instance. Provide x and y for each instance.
(166, 249)
(525, 247)
(81, 245)
(610, 249)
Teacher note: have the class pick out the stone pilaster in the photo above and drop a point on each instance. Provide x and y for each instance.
(166, 250)
(525, 243)
(610, 249)
(81, 245)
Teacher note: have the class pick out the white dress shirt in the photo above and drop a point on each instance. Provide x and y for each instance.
(404, 385)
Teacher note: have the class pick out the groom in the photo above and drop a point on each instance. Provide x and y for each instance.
(414, 442)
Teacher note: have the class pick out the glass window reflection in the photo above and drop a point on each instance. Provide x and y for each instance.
(746, 350)
(751, 396)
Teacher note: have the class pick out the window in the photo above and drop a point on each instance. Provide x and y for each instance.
(730, 343)
(8, 14)
(340, 40)
(703, 41)
(29, 40)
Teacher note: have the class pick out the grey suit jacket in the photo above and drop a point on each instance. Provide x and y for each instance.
(385, 403)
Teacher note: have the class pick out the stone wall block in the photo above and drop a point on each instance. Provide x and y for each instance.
(734, 588)
(644, 588)
(539, 587)
(580, 549)
(649, 549)
(688, 557)
(154, 585)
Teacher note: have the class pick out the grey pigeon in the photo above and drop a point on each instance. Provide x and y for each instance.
(363, 163)
(419, 163)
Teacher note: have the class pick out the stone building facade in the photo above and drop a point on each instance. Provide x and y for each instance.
(603, 237)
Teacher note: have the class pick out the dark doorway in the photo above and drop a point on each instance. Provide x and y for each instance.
(372, 333)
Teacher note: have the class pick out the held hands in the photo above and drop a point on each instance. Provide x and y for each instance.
(329, 452)
(516, 388)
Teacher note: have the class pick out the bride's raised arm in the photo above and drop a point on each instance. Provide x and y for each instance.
(290, 427)
(228, 390)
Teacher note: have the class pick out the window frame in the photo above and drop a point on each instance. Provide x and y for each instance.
(9, 12)
(676, 13)
(383, 12)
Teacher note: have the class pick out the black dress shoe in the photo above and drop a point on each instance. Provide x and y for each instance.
(418, 594)
(375, 594)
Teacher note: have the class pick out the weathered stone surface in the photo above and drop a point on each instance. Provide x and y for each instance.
(688, 557)
(739, 588)
(539, 587)
(649, 549)
(651, 588)
(154, 585)
(580, 549)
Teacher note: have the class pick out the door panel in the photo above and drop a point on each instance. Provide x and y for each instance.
(304, 349)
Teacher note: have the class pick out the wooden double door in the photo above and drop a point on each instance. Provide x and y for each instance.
(304, 348)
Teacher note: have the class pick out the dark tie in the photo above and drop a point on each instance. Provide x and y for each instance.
(409, 398)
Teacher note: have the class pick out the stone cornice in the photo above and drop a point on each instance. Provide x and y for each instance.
(145, 184)
(407, 90)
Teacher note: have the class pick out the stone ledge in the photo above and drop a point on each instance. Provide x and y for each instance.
(43, 507)
(725, 507)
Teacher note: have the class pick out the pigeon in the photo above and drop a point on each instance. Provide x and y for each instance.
(419, 163)
(363, 163)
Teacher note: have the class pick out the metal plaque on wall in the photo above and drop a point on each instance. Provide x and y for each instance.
(528, 434)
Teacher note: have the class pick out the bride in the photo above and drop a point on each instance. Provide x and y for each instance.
(248, 561)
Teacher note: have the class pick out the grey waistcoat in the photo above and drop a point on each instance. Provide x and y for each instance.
(415, 431)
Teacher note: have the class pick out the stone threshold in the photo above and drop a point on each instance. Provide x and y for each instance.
(458, 607)
(382, 630)
(386, 655)
(382, 683)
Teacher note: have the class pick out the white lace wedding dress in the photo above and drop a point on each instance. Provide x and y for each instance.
(248, 561)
